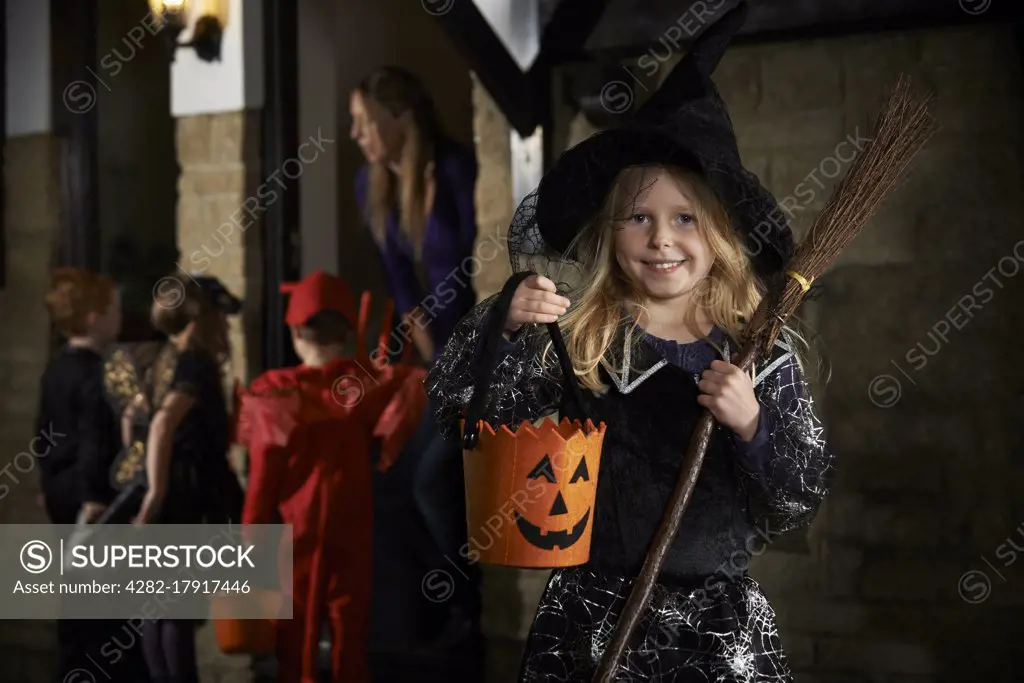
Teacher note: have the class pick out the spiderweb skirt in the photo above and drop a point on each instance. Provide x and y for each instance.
(699, 631)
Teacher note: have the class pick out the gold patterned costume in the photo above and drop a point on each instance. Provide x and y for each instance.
(136, 396)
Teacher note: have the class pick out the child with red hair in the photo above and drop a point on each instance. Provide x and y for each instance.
(76, 439)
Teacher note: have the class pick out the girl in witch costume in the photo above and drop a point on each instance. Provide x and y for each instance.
(188, 475)
(678, 242)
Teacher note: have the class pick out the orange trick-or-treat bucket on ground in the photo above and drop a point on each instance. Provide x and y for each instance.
(237, 636)
(530, 493)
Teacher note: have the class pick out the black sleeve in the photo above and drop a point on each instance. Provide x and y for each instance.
(98, 440)
(42, 421)
(524, 386)
(191, 374)
(788, 483)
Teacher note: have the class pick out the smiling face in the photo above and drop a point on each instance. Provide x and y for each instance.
(559, 528)
(530, 494)
(658, 242)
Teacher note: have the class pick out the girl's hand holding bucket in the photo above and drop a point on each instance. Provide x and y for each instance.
(541, 478)
(536, 300)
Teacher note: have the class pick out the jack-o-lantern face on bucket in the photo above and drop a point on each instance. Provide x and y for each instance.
(530, 494)
(543, 535)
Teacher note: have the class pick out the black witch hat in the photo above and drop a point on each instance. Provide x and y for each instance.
(219, 295)
(685, 124)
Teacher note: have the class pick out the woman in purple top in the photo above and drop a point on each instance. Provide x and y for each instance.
(417, 198)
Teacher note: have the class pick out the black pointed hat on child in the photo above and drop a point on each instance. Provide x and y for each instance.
(684, 124)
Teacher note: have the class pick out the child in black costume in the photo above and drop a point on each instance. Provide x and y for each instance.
(676, 244)
(77, 439)
(190, 480)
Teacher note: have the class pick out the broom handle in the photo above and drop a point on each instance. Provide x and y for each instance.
(641, 591)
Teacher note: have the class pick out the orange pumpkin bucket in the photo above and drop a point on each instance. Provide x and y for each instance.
(530, 493)
(245, 636)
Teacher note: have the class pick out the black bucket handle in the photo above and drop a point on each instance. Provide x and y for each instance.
(488, 363)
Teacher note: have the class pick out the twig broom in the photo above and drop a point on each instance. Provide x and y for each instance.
(900, 131)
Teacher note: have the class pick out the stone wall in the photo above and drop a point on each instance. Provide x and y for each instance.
(906, 574)
(31, 206)
(919, 497)
(494, 207)
(219, 214)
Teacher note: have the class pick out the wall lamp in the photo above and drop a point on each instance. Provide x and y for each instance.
(207, 31)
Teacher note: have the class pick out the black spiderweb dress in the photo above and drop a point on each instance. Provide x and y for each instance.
(708, 621)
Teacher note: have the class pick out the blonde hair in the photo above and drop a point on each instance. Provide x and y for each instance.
(399, 91)
(727, 295)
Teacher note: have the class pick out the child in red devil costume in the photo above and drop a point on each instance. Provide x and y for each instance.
(310, 431)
